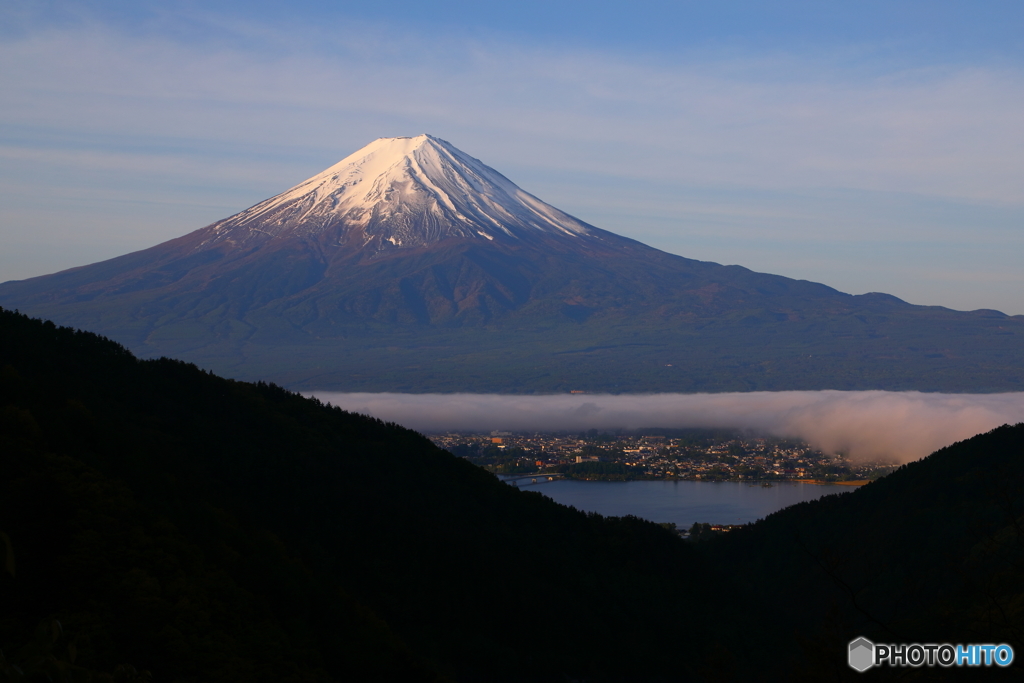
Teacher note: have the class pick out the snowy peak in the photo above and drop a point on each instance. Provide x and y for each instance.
(406, 192)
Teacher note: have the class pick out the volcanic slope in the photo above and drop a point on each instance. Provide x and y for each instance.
(411, 266)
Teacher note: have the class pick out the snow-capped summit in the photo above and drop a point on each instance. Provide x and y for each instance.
(405, 192)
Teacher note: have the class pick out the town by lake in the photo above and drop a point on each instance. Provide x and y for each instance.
(716, 476)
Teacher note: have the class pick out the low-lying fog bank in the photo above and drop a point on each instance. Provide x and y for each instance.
(864, 424)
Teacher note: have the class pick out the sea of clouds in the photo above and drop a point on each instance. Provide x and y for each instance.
(903, 426)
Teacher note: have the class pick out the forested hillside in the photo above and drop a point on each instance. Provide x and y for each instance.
(203, 529)
(932, 553)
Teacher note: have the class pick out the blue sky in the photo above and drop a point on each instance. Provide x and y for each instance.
(872, 146)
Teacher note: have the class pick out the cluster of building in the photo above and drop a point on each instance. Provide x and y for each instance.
(710, 455)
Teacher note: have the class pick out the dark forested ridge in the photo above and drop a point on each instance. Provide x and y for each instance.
(932, 553)
(205, 529)
(210, 530)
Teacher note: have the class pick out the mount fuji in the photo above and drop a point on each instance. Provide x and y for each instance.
(404, 193)
(411, 266)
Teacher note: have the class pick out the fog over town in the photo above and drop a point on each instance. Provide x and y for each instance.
(866, 425)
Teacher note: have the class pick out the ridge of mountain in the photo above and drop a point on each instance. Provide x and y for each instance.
(411, 266)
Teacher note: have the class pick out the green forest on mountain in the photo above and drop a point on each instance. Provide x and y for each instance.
(161, 523)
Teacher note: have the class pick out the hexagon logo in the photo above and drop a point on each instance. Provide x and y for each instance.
(862, 654)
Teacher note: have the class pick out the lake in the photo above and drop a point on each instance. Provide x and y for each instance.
(682, 502)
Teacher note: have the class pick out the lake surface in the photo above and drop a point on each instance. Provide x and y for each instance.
(682, 502)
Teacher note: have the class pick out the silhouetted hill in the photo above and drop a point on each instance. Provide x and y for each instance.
(207, 529)
(214, 530)
(932, 553)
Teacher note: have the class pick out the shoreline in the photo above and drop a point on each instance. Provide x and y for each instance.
(752, 482)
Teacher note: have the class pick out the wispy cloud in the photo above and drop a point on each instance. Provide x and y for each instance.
(903, 426)
(770, 160)
(765, 123)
